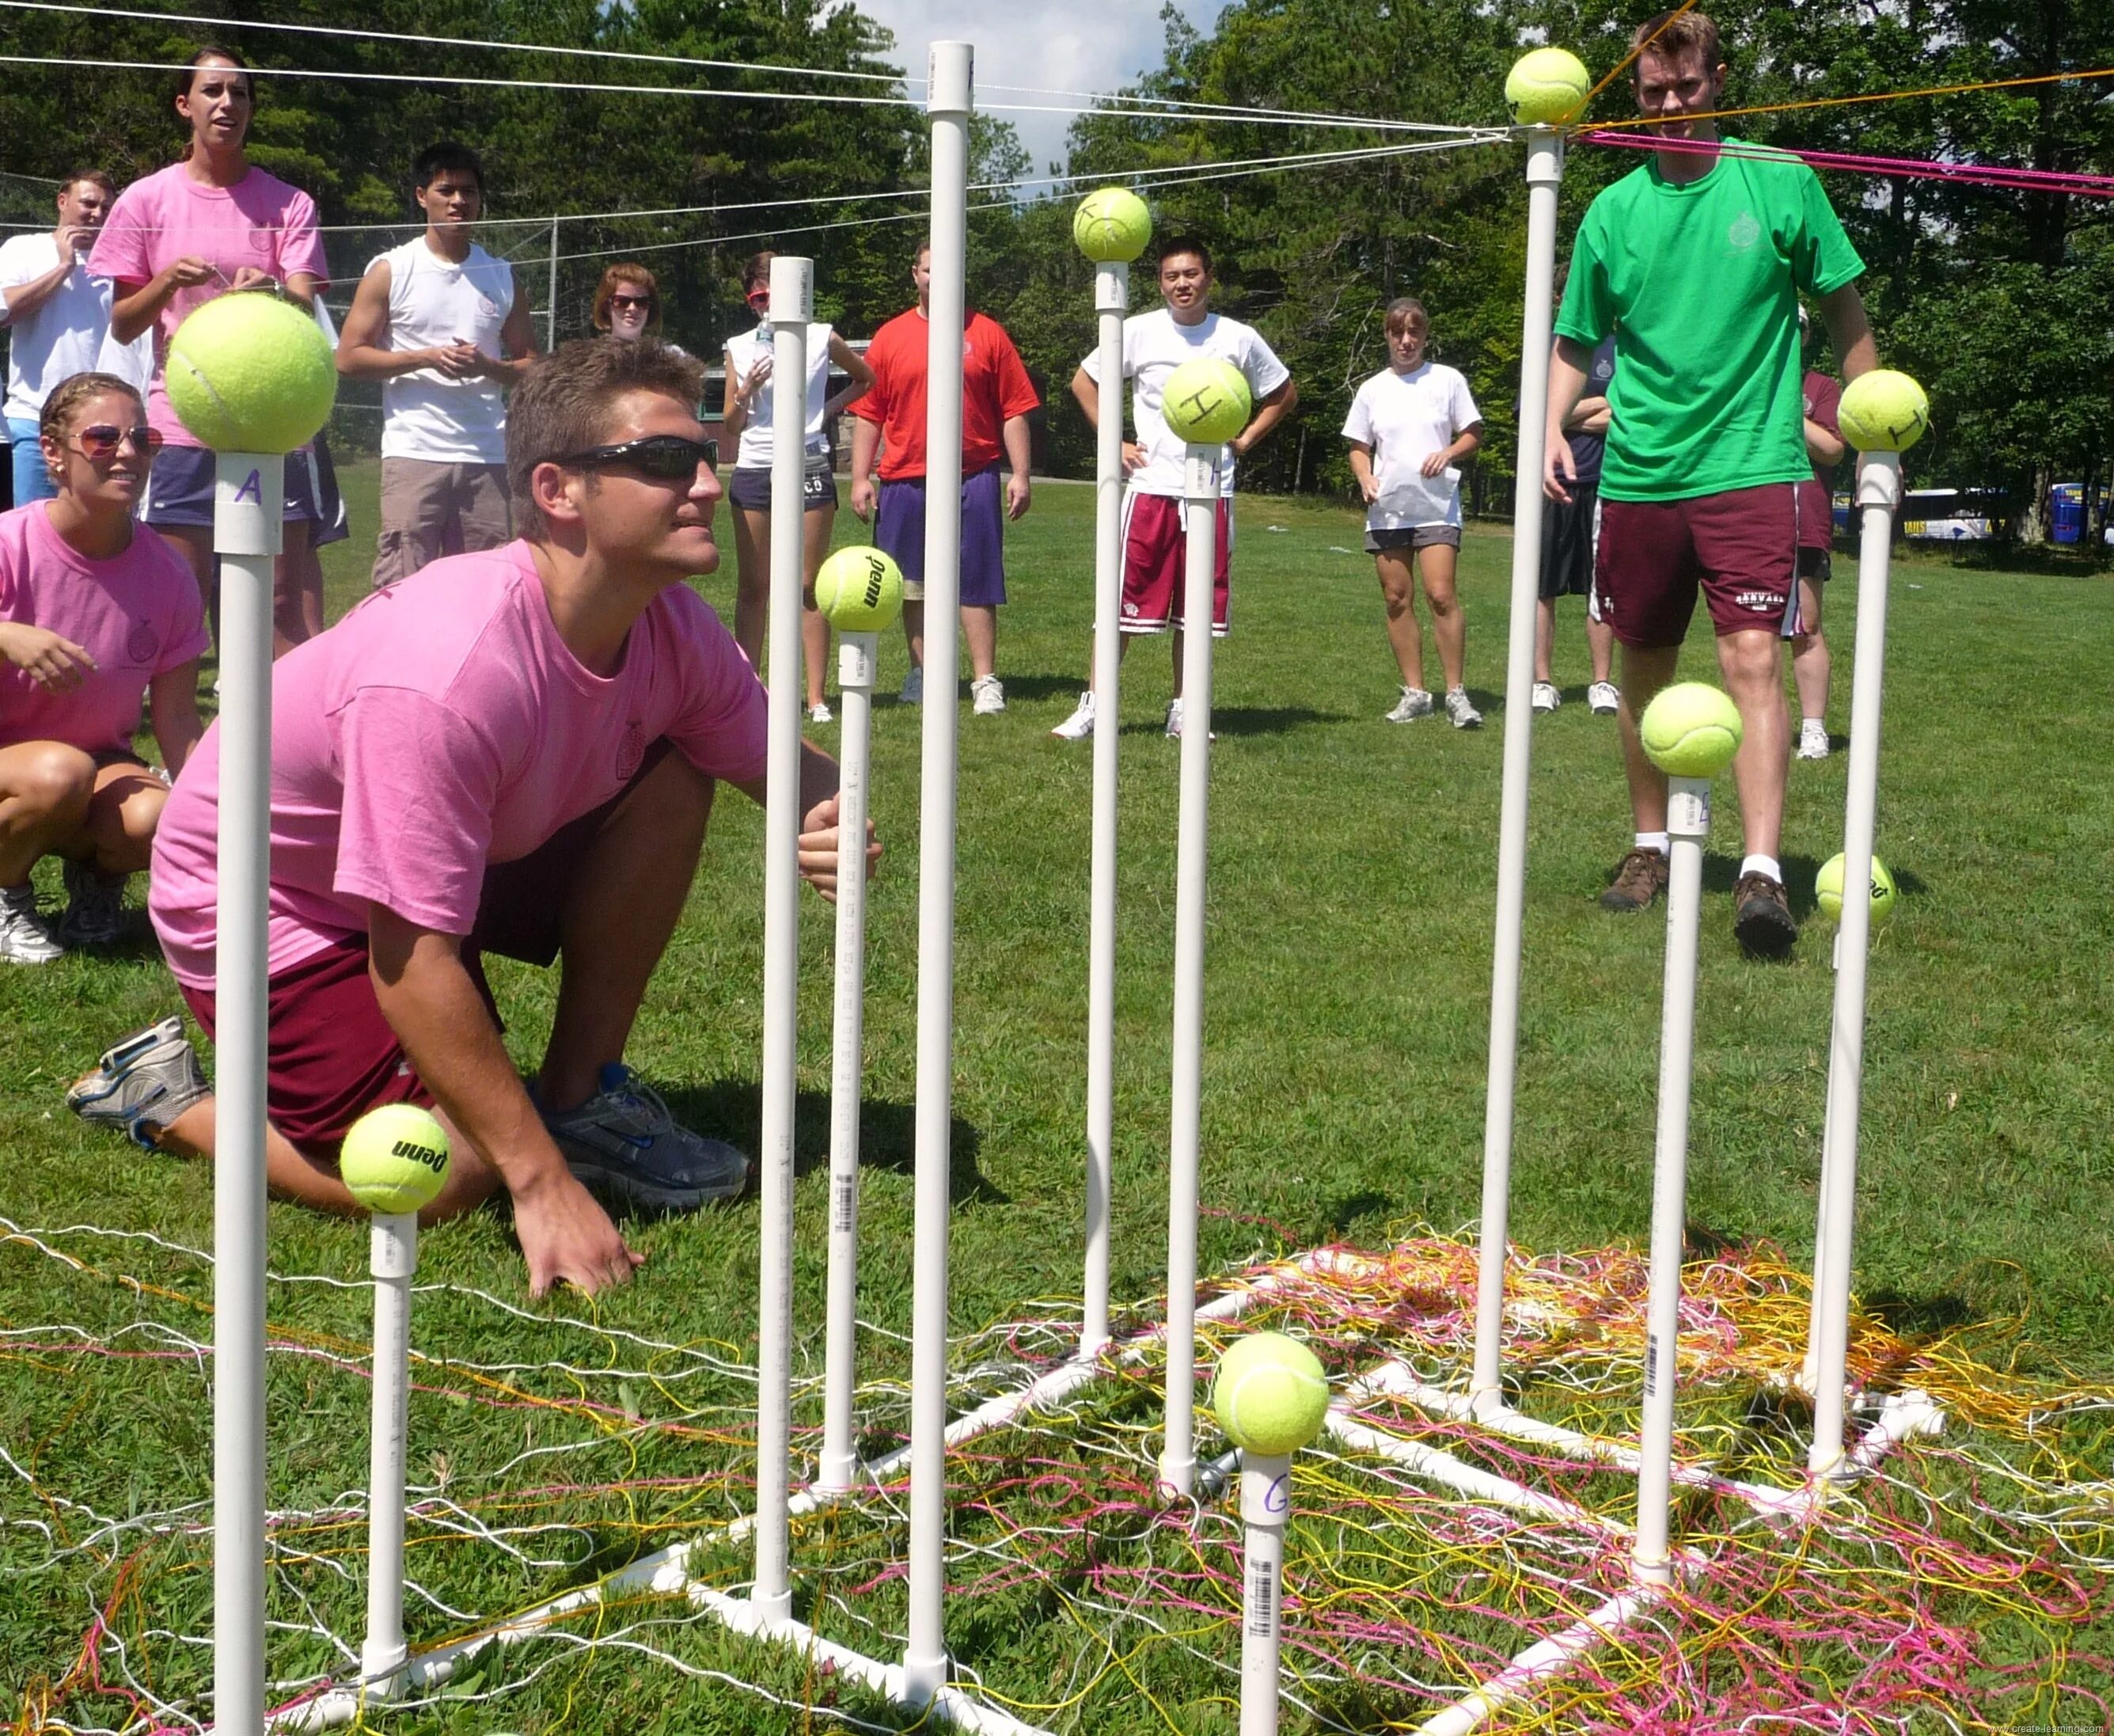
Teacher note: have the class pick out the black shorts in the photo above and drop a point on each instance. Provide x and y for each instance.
(1568, 531)
(750, 489)
(1411, 538)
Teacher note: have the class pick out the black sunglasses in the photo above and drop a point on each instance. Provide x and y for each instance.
(668, 457)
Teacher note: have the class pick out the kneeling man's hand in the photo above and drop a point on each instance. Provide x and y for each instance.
(818, 848)
(567, 1238)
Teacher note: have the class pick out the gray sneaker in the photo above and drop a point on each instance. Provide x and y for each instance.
(24, 936)
(95, 908)
(913, 687)
(142, 1084)
(624, 1141)
(1415, 703)
(1462, 715)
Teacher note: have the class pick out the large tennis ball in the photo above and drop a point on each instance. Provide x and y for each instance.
(1111, 226)
(1207, 401)
(860, 589)
(1828, 889)
(1269, 1395)
(1692, 730)
(395, 1159)
(248, 373)
(1547, 86)
(1884, 411)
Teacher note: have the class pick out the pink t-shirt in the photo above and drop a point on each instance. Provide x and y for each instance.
(260, 221)
(137, 614)
(441, 726)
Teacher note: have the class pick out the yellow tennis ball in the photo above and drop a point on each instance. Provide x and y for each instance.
(1111, 226)
(1692, 730)
(860, 589)
(248, 373)
(1546, 87)
(1207, 401)
(1884, 411)
(1828, 889)
(394, 1158)
(1269, 1395)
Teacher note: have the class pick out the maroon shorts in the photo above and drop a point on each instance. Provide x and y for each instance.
(1740, 547)
(1155, 558)
(331, 1055)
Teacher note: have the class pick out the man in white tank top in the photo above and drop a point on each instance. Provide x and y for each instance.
(442, 324)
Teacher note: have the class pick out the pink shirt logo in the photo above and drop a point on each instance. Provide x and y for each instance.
(142, 643)
(630, 751)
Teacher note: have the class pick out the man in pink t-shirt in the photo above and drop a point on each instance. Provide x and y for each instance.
(515, 752)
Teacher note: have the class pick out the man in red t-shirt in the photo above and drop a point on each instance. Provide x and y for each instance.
(996, 398)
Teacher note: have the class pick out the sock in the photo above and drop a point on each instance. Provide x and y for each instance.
(1767, 865)
(1654, 840)
(1813, 723)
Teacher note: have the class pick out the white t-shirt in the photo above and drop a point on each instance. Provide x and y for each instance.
(61, 338)
(1154, 346)
(433, 301)
(1405, 418)
(744, 352)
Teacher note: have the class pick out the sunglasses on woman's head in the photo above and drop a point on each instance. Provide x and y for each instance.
(666, 457)
(101, 440)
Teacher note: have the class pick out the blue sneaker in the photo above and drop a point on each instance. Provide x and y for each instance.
(142, 1084)
(624, 1141)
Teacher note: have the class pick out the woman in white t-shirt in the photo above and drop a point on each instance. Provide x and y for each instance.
(750, 403)
(1409, 428)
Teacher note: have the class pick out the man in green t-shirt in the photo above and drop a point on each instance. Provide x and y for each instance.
(1696, 263)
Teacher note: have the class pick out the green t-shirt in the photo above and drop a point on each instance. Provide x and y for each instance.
(1700, 284)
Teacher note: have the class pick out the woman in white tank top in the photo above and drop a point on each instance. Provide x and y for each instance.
(751, 407)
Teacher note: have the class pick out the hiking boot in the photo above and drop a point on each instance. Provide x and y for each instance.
(1761, 916)
(1079, 726)
(25, 938)
(95, 908)
(1415, 703)
(1546, 697)
(1459, 712)
(142, 1084)
(1602, 698)
(1639, 882)
(624, 1141)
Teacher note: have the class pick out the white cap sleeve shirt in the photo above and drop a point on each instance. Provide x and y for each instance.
(1155, 345)
(1405, 418)
(432, 302)
(744, 352)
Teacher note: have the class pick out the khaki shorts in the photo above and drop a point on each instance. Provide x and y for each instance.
(431, 508)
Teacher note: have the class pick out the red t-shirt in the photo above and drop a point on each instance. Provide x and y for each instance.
(1816, 499)
(995, 389)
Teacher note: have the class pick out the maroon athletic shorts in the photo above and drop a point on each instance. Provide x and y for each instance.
(1740, 548)
(1155, 558)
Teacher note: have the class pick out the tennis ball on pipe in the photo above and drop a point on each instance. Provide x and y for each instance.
(1269, 1395)
(1884, 411)
(1111, 226)
(395, 1159)
(1828, 889)
(1546, 87)
(1692, 730)
(1207, 401)
(248, 372)
(860, 589)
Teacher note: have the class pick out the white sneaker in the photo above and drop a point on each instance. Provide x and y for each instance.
(913, 687)
(819, 713)
(1079, 726)
(1602, 698)
(987, 696)
(1812, 738)
(25, 938)
(1546, 697)
(1462, 715)
(1174, 721)
(1415, 703)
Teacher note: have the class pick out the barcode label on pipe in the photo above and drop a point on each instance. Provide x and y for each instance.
(1262, 1599)
(844, 1204)
(1651, 1364)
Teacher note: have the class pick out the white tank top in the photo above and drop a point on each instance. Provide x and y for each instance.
(432, 302)
(744, 352)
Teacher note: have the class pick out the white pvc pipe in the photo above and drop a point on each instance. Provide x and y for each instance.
(1687, 824)
(248, 498)
(1177, 1456)
(1265, 1504)
(1111, 302)
(1543, 1659)
(392, 1259)
(1544, 171)
(792, 304)
(948, 98)
(1879, 489)
(858, 658)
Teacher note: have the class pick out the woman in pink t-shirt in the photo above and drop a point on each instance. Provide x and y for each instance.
(93, 615)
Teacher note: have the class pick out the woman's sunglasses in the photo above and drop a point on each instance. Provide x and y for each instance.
(101, 441)
(666, 457)
(644, 302)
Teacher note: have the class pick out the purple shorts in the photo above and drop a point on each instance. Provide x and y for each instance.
(898, 532)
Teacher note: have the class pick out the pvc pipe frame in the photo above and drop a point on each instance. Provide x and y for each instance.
(392, 1260)
(950, 96)
(792, 304)
(1265, 1506)
(1544, 173)
(249, 490)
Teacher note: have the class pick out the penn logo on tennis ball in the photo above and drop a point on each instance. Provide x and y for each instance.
(877, 577)
(419, 1153)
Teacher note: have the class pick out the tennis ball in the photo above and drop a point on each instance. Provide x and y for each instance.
(1207, 401)
(1828, 889)
(1547, 86)
(1884, 411)
(1111, 226)
(395, 1159)
(860, 589)
(1270, 1394)
(248, 373)
(1692, 730)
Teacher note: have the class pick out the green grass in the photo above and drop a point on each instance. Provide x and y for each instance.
(1353, 865)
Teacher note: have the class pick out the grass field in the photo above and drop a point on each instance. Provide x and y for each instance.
(1353, 865)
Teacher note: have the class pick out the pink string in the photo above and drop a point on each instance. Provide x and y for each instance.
(1971, 174)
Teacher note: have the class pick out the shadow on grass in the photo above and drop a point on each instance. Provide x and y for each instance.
(1252, 720)
(1044, 686)
(1721, 873)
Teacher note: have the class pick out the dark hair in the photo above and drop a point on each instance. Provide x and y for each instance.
(94, 178)
(56, 420)
(1404, 311)
(1181, 244)
(1667, 34)
(437, 159)
(756, 271)
(565, 403)
(211, 51)
(615, 278)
